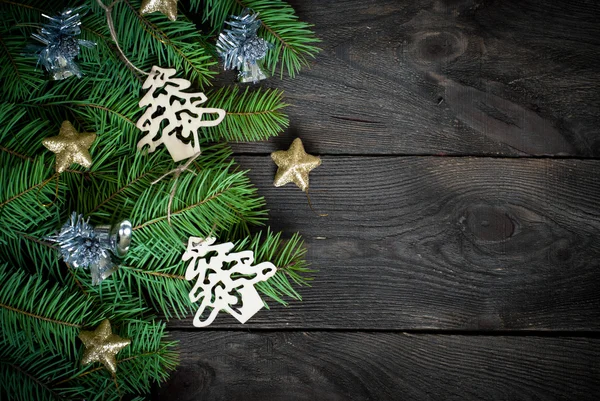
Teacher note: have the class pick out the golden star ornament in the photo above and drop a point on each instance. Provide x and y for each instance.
(167, 7)
(101, 345)
(294, 165)
(70, 147)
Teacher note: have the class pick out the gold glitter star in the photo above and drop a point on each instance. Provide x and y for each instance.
(101, 345)
(294, 165)
(70, 147)
(167, 7)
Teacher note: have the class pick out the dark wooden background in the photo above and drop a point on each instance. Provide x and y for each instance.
(461, 173)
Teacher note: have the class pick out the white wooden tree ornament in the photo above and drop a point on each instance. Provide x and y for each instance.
(181, 110)
(224, 281)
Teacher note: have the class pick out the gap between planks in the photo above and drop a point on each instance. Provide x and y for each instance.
(429, 155)
(592, 334)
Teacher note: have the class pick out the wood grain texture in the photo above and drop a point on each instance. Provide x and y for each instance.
(441, 243)
(330, 366)
(437, 245)
(466, 77)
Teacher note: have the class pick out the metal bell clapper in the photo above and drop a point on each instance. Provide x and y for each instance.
(116, 238)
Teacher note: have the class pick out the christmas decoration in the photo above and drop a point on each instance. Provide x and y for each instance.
(167, 7)
(46, 301)
(101, 345)
(180, 110)
(60, 45)
(294, 165)
(224, 281)
(70, 147)
(241, 48)
(83, 246)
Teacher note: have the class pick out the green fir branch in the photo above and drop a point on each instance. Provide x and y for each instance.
(32, 254)
(28, 194)
(165, 292)
(29, 374)
(18, 74)
(149, 40)
(214, 197)
(113, 299)
(19, 135)
(50, 315)
(252, 115)
(288, 256)
(33, 374)
(212, 192)
(44, 303)
(148, 359)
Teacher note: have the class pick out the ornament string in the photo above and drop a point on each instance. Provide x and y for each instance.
(37, 194)
(176, 173)
(178, 170)
(113, 34)
(312, 208)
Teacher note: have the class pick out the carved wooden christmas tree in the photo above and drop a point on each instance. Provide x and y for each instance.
(224, 281)
(182, 112)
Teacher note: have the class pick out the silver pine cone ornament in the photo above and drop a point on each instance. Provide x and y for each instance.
(240, 48)
(85, 246)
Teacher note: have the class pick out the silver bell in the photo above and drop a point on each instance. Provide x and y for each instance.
(251, 72)
(115, 238)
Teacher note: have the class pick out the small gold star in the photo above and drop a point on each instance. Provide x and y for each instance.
(294, 165)
(167, 7)
(101, 345)
(70, 147)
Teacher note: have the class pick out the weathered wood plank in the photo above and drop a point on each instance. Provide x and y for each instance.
(448, 77)
(441, 243)
(311, 366)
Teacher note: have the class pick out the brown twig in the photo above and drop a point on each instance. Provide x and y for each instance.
(35, 379)
(46, 319)
(311, 206)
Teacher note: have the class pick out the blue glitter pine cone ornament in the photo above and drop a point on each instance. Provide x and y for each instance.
(60, 45)
(239, 46)
(85, 246)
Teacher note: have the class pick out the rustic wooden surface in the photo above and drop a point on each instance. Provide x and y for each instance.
(441, 243)
(460, 258)
(461, 77)
(384, 366)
